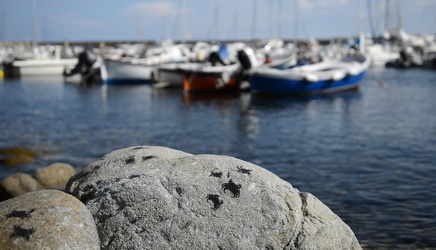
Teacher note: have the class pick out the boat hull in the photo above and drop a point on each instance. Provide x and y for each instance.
(42, 67)
(271, 85)
(172, 77)
(208, 82)
(118, 72)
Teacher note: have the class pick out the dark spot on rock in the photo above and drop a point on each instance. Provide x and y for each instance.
(166, 236)
(96, 168)
(134, 176)
(130, 160)
(216, 174)
(88, 193)
(22, 232)
(144, 158)
(215, 200)
(269, 247)
(228, 175)
(179, 190)
(20, 214)
(243, 170)
(233, 187)
(137, 148)
(186, 225)
(112, 238)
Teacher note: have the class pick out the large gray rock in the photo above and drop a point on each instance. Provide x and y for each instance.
(47, 219)
(158, 198)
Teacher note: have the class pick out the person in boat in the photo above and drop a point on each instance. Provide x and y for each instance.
(220, 57)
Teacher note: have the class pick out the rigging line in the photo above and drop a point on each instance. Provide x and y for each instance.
(177, 20)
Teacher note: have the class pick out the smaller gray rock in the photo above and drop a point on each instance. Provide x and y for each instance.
(55, 176)
(18, 184)
(47, 219)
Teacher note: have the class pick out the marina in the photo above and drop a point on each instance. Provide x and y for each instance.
(368, 154)
(348, 118)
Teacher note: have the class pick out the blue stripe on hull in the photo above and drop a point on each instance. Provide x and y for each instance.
(127, 81)
(266, 84)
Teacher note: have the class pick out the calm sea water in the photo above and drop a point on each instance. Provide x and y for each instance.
(370, 155)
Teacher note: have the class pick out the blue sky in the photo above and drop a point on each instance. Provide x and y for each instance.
(102, 20)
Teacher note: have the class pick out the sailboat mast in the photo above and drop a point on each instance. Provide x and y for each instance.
(34, 24)
(387, 15)
(270, 11)
(235, 27)
(253, 23)
(296, 10)
(279, 18)
(184, 21)
(400, 16)
(3, 28)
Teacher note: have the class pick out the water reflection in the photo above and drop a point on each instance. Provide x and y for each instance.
(368, 155)
(207, 98)
(284, 101)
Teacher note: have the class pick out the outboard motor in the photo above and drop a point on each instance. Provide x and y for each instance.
(244, 60)
(247, 59)
(86, 59)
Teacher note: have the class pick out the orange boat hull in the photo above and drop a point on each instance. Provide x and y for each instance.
(208, 83)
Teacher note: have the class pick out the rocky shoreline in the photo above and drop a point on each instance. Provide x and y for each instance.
(160, 198)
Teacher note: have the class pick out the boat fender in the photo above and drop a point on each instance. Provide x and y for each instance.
(155, 61)
(223, 80)
(353, 71)
(225, 76)
(220, 83)
(311, 78)
(337, 76)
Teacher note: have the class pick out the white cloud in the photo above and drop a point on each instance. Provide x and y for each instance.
(160, 8)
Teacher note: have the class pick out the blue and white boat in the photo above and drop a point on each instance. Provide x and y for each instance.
(323, 77)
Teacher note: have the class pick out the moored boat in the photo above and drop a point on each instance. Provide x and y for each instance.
(221, 78)
(323, 77)
(41, 61)
(173, 74)
(126, 72)
(40, 67)
(212, 78)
